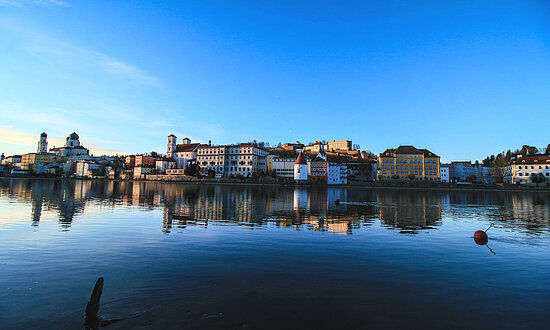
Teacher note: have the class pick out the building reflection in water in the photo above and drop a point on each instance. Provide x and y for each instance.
(409, 211)
(298, 208)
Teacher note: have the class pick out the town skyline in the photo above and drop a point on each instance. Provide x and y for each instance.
(59, 142)
(445, 77)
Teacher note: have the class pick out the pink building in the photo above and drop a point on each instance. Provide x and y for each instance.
(145, 161)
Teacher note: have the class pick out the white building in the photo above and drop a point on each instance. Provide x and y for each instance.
(315, 148)
(72, 147)
(284, 167)
(164, 164)
(445, 173)
(140, 172)
(14, 160)
(337, 174)
(301, 168)
(83, 169)
(184, 154)
(240, 160)
(525, 168)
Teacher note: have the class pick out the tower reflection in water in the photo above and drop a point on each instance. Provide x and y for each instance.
(299, 208)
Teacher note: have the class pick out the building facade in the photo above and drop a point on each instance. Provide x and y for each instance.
(283, 167)
(408, 162)
(344, 145)
(528, 170)
(164, 164)
(445, 173)
(293, 146)
(337, 174)
(86, 169)
(315, 148)
(362, 171)
(184, 153)
(301, 168)
(145, 161)
(35, 162)
(232, 160)
(318, 171)
(72, 147)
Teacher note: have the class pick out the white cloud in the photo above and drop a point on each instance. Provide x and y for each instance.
(70, 56)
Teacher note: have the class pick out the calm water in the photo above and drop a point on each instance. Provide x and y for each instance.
(219, 256)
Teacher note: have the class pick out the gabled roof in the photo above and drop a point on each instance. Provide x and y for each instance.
(186, 147)
(407, 150)
(428, 153)
(533, 160)
(166, 159)
(301, 159)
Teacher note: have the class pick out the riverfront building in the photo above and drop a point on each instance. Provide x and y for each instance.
(531, 170)
(408, 162)
(184, 154)
(283, 167)
(226, 160)
(301, 168)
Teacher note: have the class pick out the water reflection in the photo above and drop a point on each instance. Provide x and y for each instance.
(299, 208)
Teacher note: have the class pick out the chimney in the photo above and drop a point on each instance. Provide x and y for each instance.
(209, 143)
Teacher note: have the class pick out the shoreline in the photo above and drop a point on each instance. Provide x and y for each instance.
(362, 185)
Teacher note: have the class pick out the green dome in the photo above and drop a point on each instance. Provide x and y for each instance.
(43, 134)
(73, 136)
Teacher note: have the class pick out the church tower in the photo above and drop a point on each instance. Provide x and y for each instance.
(300, 168)
(171, 148)
(43, 143)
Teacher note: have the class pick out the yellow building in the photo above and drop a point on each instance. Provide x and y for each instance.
(29, 162)
(339, 145)
(408, 162)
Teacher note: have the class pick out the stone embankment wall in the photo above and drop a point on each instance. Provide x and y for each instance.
(186, 178)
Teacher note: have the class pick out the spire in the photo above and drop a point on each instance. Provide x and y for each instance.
(322, 154)
(301, 159)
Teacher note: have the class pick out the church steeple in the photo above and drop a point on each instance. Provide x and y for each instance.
(43, 143)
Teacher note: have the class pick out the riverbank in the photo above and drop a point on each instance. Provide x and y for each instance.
(268, 181)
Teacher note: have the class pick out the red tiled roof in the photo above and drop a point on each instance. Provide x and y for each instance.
(301, 160)
(186, 147)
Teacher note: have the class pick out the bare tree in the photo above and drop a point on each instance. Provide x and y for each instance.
(499, 167)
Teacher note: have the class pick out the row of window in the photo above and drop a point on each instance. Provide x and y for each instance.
(532, 174)
(406, 161)
(227, 157)
(532, 167)
(416, 167)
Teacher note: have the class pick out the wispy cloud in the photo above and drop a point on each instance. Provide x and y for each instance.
(68, 55)
(127, 70)
(20, 3)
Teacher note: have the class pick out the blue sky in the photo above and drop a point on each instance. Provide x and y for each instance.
(464, 79)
